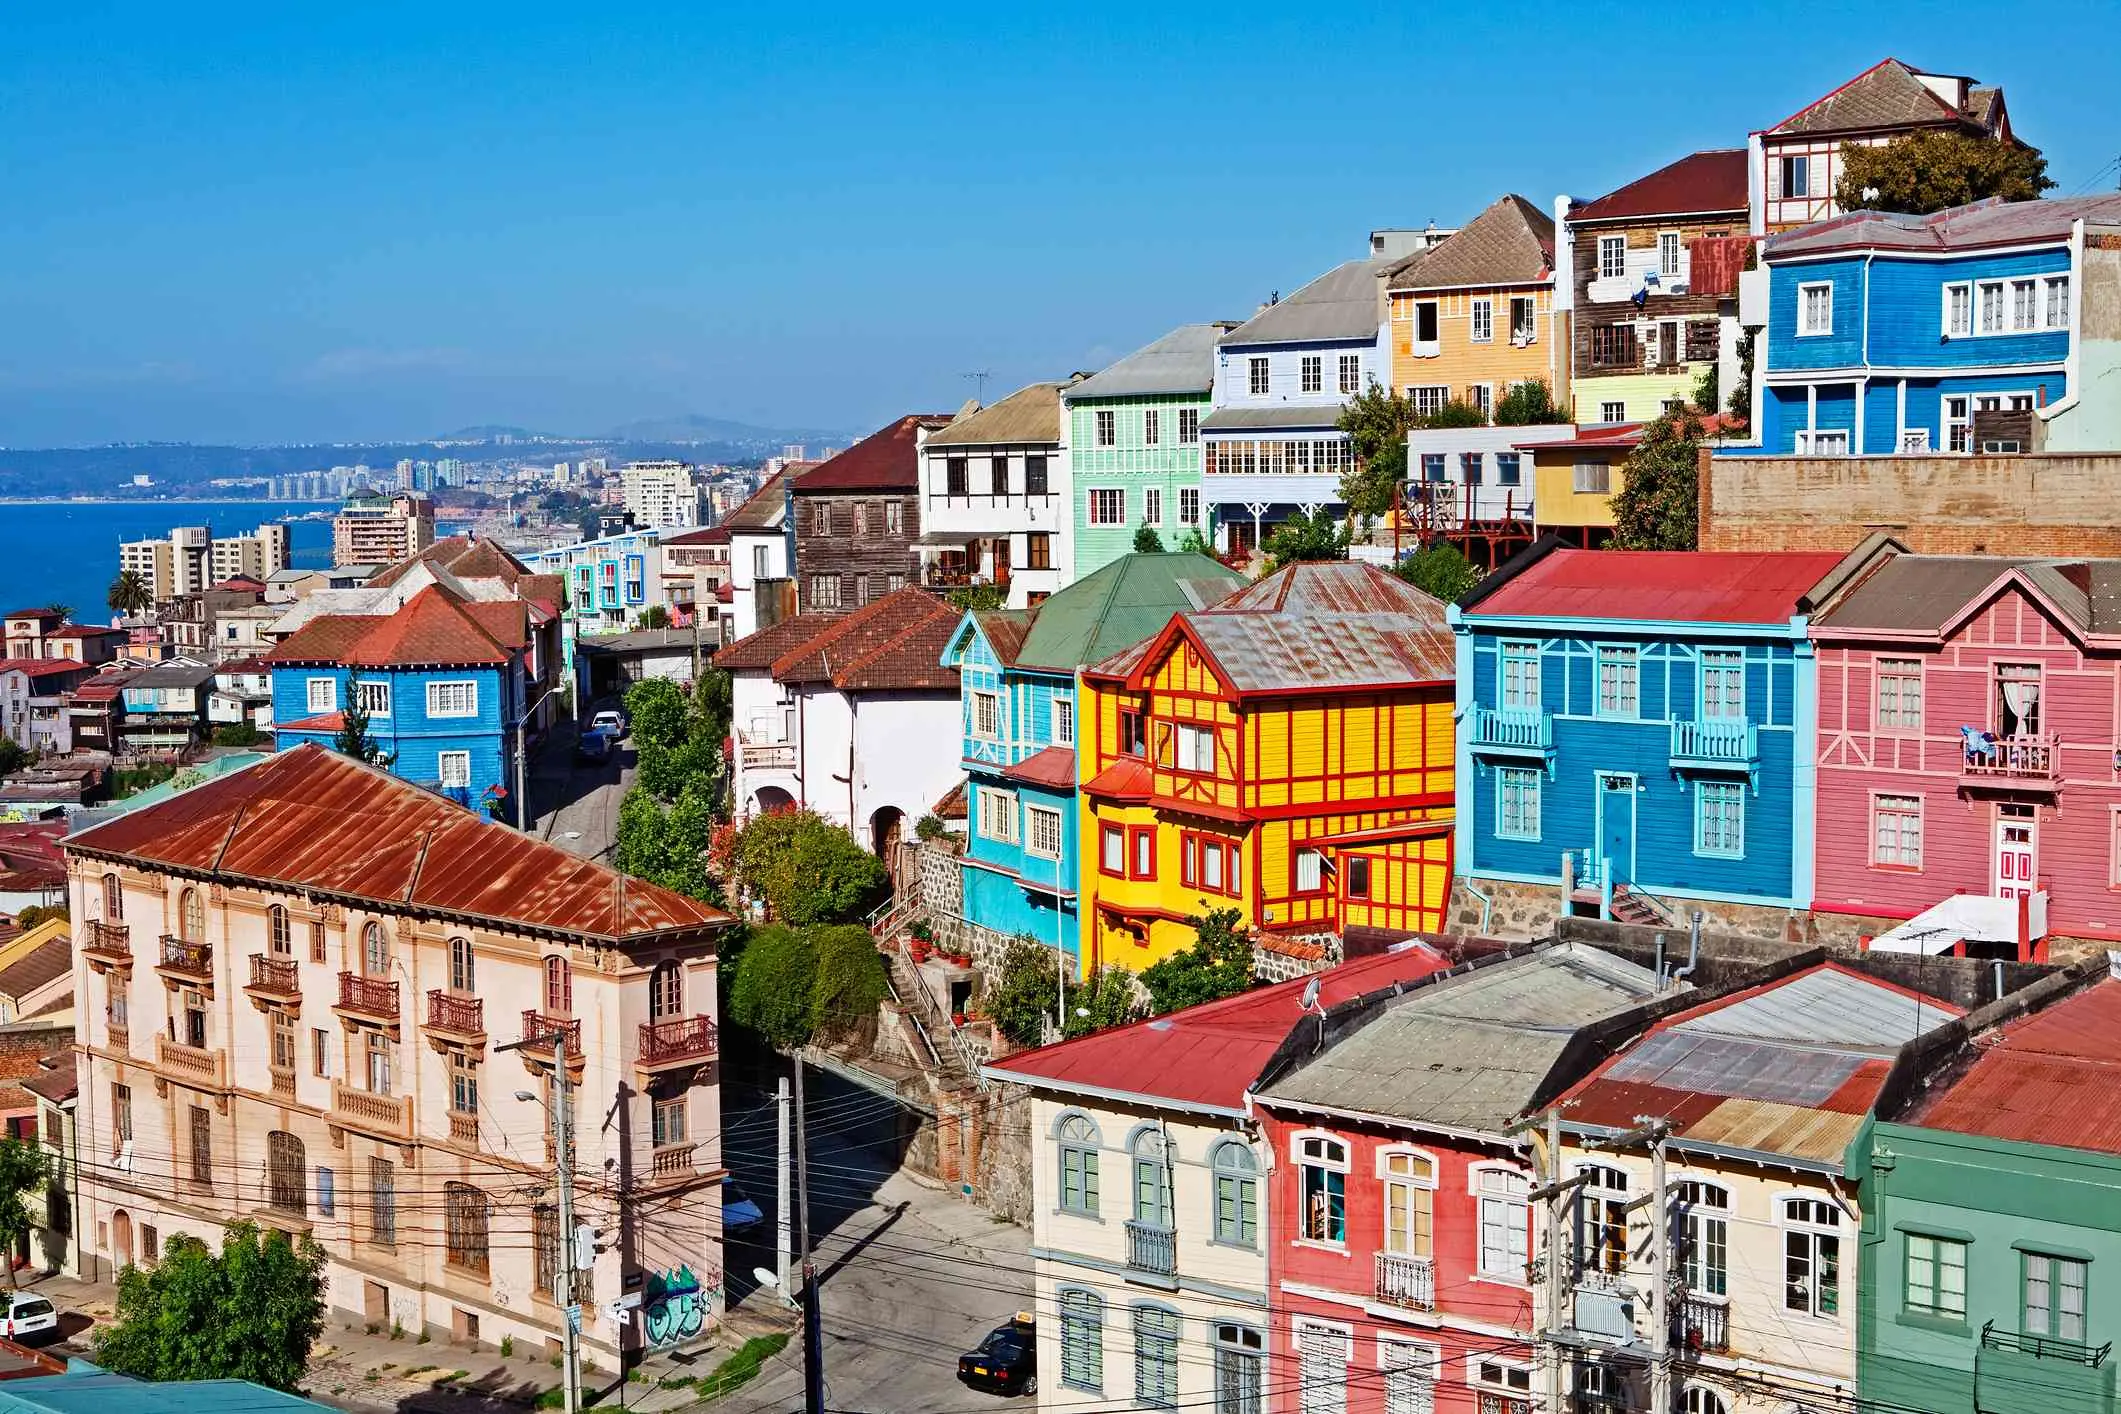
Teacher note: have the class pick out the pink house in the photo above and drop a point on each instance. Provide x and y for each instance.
(1969, 722)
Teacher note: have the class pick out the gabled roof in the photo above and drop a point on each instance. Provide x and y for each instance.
(1340, 304)
(1510, 243)
(82, 631)
(2051, 1078)
(885, 460)
(41, 615)
(1204, 1058)
(1672, 586)
(1029, 415)
(1889, 94)
(313, 819)
(892, 643)
(44, 667)
(712, 535)
(1004, 630)
(764, 510)
(1182, 361)
(433, 628)
(1053, 768)
(1119, 605)
(1711, 182)
(462, 556)
(1982, 224)
(1926, 595)
(762, 648)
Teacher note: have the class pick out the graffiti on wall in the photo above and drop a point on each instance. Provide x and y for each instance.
(675, 1305)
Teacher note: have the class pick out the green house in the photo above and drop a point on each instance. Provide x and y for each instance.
(1990, 1261)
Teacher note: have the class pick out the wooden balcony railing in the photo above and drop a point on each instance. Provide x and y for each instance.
(279, 976)
(187, 958)
(389, 1116)
(538, 1030)
(1406, 1281)
(1512, 731)
(109, 941)
(368, 996)
(766, 755)
(2029, 759)
(454, 1015)
(1715, 741)
(679, 1040)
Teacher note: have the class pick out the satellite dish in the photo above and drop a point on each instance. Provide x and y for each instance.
(1310, 1000)
(765, 1278)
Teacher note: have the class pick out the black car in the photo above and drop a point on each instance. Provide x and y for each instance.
(593, 746)
(1006, 1361)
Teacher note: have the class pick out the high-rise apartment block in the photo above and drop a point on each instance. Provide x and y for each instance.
(660, 493)
(375, 530)
(191, 557)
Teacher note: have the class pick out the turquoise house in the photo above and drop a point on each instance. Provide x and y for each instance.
(1016, 671)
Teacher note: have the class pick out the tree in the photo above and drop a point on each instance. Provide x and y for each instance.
(1529, 404)
(654, 616)
(850, 980)
(62, 612)
(1707, 391)
(21, 1169)
(775, 986)
(656, 712)
(251, 1312)
(353, 739)
(1439, 571)
(1316, 536)
(805, 869)
(1656, 508)
(976, 598)
(713, 705)
(668, 847)
(1195, 543)
(1376, 421)
(130, 593)
(666, 771)
(1106, 1000)
(237, 734)
(1024, 994)
(1740, 406)
(1455, 413)
(37, 913)
(1934, 171)
(1218, 965)
(1147, 541)
(12, 756)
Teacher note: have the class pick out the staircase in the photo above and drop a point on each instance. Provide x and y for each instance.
(936, 1046)
(1633, 905)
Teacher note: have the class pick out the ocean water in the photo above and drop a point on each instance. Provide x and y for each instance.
(66, 552)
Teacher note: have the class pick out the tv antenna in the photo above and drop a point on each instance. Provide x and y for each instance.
(980, 376)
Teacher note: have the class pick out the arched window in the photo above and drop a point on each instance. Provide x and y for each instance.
(1079, 1139)
(1811, 1256)
(192, 916)
(463, 970)
(464, 1208)
(1082, 1340)
(1602, 1219)
(1236, 1179)
(666, 991)
(286, 1173)
(375, 949)
(1322, 1186)
(1700, 1399)
(1152, 1177)
(113, 900)
(283, 941)
(1409, 1179)
(559, 987)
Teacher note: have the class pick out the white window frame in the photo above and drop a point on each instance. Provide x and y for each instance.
(1843, 1232)
(1618, 656)
(1311, 373)
(1189, 505)
(1152, 505)
(461, 760)
(1324, 1396)
(1259, 377)
(1669, 251)
(1612, 410)
(997, 815)
(2025, 305)
(1324, 1162)
(1483, 399)
(989, 705)
(1822, 441)
(1428, 398)
(1522, 1201)
(2053, 318)
(1117, 503)
(1992, 297)
(1612, 257)
(372, 697)
(1806, 327)
(1906, 713)
(1593, 478)
(1958, 323)
(1105, 427)
(1193, 748)
(1527, 782)
(1905, 842)
(439, 693)
(1506, 1386)
(1063, 721)
(1518, 690)
(323, 694)
(1732, 845)
(1483, 320)
(1350, 374)
(1037, 820)
(1152, 427)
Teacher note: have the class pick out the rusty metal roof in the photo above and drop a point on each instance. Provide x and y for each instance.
(2052, 1078)
(311, 819)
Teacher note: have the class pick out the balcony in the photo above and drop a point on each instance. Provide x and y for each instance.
(672, 1163)
(2018, 1371)
(1512, 731)
(765, 755)
(1493, 1403)
(1715, 744)
(538, 1031)
(2007, 761)
(273, 979)
(454, 1018)
(1704, 1324)
(1152, 1248)
(368, 998)
(106, 945)
(187, 959)
(384, 1116)
(677, 1041)
(1407, 1282)
(191, 1065)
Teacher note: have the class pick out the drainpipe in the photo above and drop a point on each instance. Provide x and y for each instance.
(2070, 360)
(1693, 953)
(1487, 904)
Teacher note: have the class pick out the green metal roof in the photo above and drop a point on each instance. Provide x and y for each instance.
(1119, 606)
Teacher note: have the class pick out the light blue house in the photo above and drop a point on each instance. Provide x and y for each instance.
(1016, 670)
(442, 680)
(1637, 730)
(610, 581)
(1941, 333)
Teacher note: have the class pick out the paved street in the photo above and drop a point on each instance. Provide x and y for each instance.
(577, 803)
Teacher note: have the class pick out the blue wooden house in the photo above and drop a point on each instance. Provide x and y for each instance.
(1952, 332)
(1016, 670)
(1636, 730)
(442, 680)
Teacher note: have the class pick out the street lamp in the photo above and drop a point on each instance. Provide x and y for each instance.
(524, 820)
(563, 1162)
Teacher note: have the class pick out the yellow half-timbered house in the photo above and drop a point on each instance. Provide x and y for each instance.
(1287, 753)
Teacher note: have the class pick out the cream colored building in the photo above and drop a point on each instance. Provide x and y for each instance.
(294, 984)
(660, 494)
(370, 530)
(191, 558)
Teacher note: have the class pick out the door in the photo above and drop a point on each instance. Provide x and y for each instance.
(2017, 851)
(1616, 825)
(1668, 343)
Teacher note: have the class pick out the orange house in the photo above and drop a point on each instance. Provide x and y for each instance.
(1287, 753)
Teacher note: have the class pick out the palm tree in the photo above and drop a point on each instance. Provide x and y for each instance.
(130, 594)
(61, 612)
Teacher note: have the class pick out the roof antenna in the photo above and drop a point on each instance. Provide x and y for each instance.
(980, 376)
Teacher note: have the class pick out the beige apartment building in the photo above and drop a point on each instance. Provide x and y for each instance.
(294, 985)
(374, 530)
(191, 558)
(660, 493)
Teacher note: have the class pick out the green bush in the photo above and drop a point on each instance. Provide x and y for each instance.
(656, 712)
(850, 979)
(931, 827)
(1218, 965)
(1104, 1001)
(1439, 570)
(775, 989)
(237, 734)
(806, 870)
(1529, 404)
(1025, 993)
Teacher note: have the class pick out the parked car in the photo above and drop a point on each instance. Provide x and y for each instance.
(611, 722)
(593, 745)
(738, 1212)
(31, 1319)
(1006, 1362)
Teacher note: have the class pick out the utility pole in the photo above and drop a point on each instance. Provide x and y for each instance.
(562, 1116)
(813, 1318)
(783, 1218)
(1660, 1275)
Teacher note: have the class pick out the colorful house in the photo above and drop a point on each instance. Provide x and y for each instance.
(610, 582)
(1952, 332)
(1287, 754)
(1636, 730)
(1577, 471)
(1967, 740)
(1473, 316)
(1133, 447)
(995, 500)
(1017, 668)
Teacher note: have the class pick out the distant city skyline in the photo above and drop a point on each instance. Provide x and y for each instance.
(286, 226)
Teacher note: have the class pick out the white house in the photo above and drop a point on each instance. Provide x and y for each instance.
(995, 504)
(759, 553)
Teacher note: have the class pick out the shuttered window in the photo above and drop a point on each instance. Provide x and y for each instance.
(1082, 1341)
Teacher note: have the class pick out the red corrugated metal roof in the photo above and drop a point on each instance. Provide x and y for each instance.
(322, 722)
(2052, 1078)
(42, 667)
(887, 459)
(1128, 778)
(81, 631)
(1700, 182)
(1209, 1055)
(1682, 586)
(313, 819)
(1054, 767)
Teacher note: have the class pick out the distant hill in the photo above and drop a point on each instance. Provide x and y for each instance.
(693, 427)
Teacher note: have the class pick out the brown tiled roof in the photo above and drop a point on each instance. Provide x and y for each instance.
(1700, 183)
(462, 556)
(432, 627)
(57, 1083)
(887, 460)
(711, 535)
(322, 722)
(766, 502)
(893, 642)
(322, 640)
(313, 819)
(1510, 243)
(506, 621)
(49, 960)
(953, 805)
(1886, 95)
(760, 649)
(909, 659)
(547, 591)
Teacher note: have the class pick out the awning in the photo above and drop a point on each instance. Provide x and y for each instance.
(948, 539)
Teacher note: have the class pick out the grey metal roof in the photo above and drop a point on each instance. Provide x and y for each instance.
(1340, 304)
(1028, 415)
(1720, 1065)
(1182, 361)
(175, 673)
(1922, 593)
(1471, 1052)
(1984, 223)
(1280, 417)
(1826, 1006)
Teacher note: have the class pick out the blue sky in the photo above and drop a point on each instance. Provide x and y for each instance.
(265, 223)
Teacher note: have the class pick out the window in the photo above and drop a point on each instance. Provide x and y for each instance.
(1602, 1219)
(1141, 850)
(1207, 862)
(997, 815)
(1507, 469)
(1593, 478)
(1612, 257)
(117, 1001)
(1815, 307)
(1240, 1354)
(1078, 1164)
(1042, 831)
(821, 519)
(1517, 802)
(372, 697)
(382, 1202)
(545, 1246)
(1936, 1277)
(316, 940)
(1256, 376)
(667, 1122)
(1151, 1166)
(1615, 346)
(1196, 749)
(1700, 1399)
(666, 991)
(1704, 1234)
(1617, 669)
(323, 695)
(1322, 1355)
(1668, 255)
(1719, 819)
(1483, 321)
(1796, 177)
(1310, 871)
(452, 699)
(1312, 371)
(287, 1173)
(283, 1042)
(1427, 323)
(1433, 466)
(1063, 722)
(1482, 398)
(463, 1083)
(1428, 399)
(375, 950)
(1722, 683)
(2054, 1296)
(1990, 295)
(824, 591)
(1152, 505)
(2025, 305)
(987, 716)
(2057, 311)
(1108, 506)
(1520, 676)
(1505, 1222)
(1358, 884)
(1322, 1181)
(1112, 851)
(1899, 694)
(955, 481)
(454, 769)
(121, 1114)
(894, 517)
(861, 589)
(1409, 1369)
(377, 1051)
(320, 1053)
(1132, 736)
(1350, 373)
(1823, 442)
(1958, 310)
(191, 916)
(327, 1197)
(113, 899)
(1082, 1341)
(463, 968)
(559, 987)
(1524, 327)
(1038, 550)
(1612, 411)
(1155, 1358)
(761, 562)
(1811, 1247)
(202, 1148)
(466, 1223)
(1236, 1183)
(1107, 427)
(282, 936)
(1188, 426)
(1410, 1195)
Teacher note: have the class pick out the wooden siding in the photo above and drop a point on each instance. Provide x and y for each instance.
(839, 551)
(1604, 303)
(1459, 362)
(1130, 465)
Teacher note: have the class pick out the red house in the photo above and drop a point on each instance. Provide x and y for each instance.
(1968, 741)
(1399, 1264)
